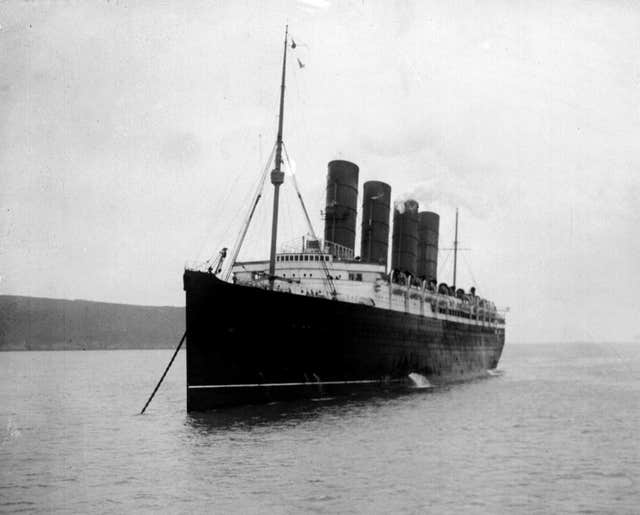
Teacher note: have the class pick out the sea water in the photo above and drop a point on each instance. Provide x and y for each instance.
(556, 430)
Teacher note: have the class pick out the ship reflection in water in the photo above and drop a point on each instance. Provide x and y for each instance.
(279, 413)
(283, 413)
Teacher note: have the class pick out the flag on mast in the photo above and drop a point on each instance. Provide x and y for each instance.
(294, 45)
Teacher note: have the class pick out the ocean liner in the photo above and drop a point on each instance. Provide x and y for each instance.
(318, 320)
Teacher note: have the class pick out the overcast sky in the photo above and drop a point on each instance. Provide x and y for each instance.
(131, 136)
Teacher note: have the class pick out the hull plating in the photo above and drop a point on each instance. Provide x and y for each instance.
(247, 345)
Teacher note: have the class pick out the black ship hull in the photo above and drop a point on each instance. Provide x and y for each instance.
(248, 345)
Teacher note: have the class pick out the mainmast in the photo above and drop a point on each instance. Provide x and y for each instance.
(455, 252)
(277, 176)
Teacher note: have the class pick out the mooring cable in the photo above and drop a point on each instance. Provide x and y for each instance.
(184, 336)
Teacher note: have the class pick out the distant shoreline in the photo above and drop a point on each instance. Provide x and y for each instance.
(91, 350)
(36, 323)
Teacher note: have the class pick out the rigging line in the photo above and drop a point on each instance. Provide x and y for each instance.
(237, 213)
(303, 104)
(259, 246)
(289, 218)
(295, 184)
(258, 226)
(475, 283)
(243, 164)
(325, 268)
(444, 263)
(215, 217)
(245, 227)
(232, 228)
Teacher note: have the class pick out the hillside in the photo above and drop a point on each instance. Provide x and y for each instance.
(33, 323)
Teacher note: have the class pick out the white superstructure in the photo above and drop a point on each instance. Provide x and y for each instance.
(305, 273)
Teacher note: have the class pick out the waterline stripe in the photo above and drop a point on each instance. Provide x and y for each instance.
(319, 383)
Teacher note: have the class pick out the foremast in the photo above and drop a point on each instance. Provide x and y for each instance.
(277, 175)
(455, 253)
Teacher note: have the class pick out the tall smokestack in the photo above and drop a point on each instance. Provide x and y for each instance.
(376, 202)
(404, 248)
(428, 229)
(341, 203)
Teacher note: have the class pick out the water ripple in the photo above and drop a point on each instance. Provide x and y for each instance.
(555, 432)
